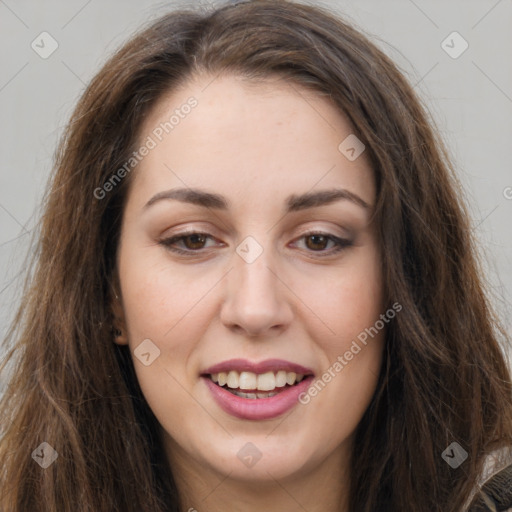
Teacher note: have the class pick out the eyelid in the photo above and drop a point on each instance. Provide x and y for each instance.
(312, 232)
(314, 228)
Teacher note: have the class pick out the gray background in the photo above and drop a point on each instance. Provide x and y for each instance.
(470, 98)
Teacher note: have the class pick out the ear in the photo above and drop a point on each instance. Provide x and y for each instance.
(119, 331)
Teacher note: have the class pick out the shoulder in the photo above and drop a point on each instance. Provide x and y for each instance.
(494, 492)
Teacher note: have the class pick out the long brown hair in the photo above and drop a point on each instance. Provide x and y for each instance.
(443, 378)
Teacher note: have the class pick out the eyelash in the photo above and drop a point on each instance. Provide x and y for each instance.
(340, 243)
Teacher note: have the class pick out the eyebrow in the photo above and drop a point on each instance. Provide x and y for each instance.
(322, 197)
(293, 203)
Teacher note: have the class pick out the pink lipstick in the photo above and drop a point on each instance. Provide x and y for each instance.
(257, 391)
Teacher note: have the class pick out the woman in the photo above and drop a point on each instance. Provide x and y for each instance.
(255, 288)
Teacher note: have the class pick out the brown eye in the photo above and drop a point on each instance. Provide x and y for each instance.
(317, 242)
(194, 241)
(323, 244)
(188, 243)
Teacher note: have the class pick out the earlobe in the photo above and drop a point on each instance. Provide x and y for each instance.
(119, 336)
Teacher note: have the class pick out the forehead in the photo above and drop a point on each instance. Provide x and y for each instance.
(242, 137)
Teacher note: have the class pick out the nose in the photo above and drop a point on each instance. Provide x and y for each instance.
(256, 302)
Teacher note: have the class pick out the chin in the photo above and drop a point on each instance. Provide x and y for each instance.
(262, 458)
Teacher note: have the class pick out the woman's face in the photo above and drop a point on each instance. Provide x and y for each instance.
(247, 258)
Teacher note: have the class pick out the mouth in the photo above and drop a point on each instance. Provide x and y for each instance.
(255, 386)
(257, 391)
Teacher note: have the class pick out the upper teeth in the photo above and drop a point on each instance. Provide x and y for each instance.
(248, 380)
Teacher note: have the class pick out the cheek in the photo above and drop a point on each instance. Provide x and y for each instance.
(160, 300)
(340, 395)
(350, 306)
(171, 309)
(347, 301)
(163, 306)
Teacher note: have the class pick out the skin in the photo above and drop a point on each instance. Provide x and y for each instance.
(255, 144)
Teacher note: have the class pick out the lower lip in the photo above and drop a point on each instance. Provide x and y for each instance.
(258, 408)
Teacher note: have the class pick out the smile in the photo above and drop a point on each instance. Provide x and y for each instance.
(257, 391)
(253, 386)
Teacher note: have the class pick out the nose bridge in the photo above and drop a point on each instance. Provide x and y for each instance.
(255, 278)
(255, 298)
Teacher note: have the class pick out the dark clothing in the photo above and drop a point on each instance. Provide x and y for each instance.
(496, 494)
